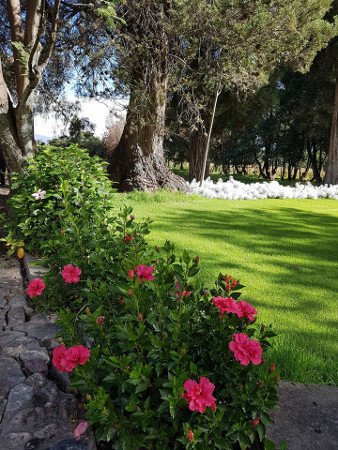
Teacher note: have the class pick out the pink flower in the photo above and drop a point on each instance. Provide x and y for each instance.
(225, 305)
(100, 320)
(66, 359)
(80, 428)
(246, 350)
(246, 310)
(35, 287)
(71, 274)
(145, 273)
(199, 395)
(59, 354)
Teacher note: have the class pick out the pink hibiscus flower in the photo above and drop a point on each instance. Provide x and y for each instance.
(246, 310)
(225, 305)
(199, 395)
(80, 428)
(145, 273)
(66, 359)
(71, 274)
(246, 350)
(35, 287)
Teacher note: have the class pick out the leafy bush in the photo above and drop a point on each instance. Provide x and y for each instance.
(55, 185)
(161, 361)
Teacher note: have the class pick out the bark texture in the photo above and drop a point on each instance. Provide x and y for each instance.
(138, 161)
(32, 44)
(331, 175)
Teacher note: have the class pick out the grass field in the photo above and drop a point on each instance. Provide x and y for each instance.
(284, 251)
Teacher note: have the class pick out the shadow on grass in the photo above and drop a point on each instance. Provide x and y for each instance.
(295, 252)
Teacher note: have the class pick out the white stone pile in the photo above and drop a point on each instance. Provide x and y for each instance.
(235, 190)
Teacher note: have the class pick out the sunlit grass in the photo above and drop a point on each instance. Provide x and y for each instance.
(284, 251)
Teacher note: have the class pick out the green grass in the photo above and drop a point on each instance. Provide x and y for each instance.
(284, 251)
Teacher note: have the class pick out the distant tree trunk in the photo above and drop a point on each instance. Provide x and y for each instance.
(198, 142)
(283, 169)
(331, 175)
(289, 171)
(313, 159)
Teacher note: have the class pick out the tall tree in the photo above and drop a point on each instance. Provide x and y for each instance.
(243, 44)
(31, 36)
(143, 45)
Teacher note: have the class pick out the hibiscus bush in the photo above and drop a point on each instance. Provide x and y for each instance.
(164, 362)
(161, 360)
(58, 184)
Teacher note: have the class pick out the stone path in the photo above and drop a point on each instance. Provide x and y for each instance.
(307, 417)
(34, 412)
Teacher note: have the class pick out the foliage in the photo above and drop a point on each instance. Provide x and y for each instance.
(148, 338)
(81, 132)
(58, 184)
(149, 324)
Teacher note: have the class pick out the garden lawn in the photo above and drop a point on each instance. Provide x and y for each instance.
(284, 251)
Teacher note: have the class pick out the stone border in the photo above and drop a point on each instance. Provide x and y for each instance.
(37, 410)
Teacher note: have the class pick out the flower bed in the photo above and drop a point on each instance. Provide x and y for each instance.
(235, 190)
(161, 360)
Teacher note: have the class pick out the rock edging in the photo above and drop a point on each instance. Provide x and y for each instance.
(35, 412)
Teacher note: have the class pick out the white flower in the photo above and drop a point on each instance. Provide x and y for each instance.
(234, 190)
(39, 195)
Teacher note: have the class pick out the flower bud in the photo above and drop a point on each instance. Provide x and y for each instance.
(121, 300)
(190, 436)
(131, 274)
(255, 422)
(140, 316)
(100, 320)
(132, 217)
(20, 253)
(273, 367)
(196, 259)
(130, 292)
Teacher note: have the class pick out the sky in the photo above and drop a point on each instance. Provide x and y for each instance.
(48, 126)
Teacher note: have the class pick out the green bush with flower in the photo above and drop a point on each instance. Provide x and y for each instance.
(55, 185)
(161, 361)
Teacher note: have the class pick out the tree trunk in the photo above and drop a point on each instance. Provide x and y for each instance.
(313, 159)
(17, 128)
(9, 141)
(198, 142)
(138, 160)
(32, 44)
(331, 175)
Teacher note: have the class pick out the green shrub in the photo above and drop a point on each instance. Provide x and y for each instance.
(149, 325)
(69, 183)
